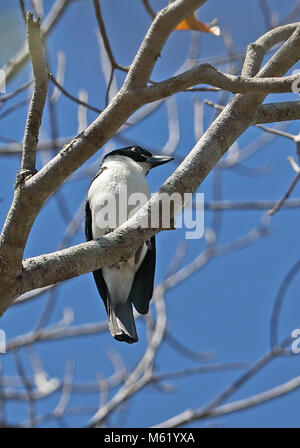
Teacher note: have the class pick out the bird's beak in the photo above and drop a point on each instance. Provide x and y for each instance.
(158, 160)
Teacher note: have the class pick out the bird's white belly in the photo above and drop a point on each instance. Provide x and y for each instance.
(119, 278)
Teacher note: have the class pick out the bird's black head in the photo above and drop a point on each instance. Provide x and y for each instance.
(140, 155)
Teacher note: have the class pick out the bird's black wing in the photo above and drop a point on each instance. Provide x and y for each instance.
(101, 285)
(88, 222)
(142, 287)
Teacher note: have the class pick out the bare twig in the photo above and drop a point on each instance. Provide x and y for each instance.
(13, 108)
(66, 390)
(105, 37)
(250, 205)
(281, 201)
(27, 384)
(148, 8)
(113, 63)
(200, 370)
(60, 76)
(8, 96)
(23, 10)
(279, 301)
(255, 400)
(73, 98)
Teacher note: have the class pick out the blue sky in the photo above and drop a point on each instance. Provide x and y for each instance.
(225, 307)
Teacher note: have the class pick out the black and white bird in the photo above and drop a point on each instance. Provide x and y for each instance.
(131, 281)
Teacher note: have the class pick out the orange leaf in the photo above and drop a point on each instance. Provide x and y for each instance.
(191, 23)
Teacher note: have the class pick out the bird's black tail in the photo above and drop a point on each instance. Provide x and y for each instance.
(121, 322)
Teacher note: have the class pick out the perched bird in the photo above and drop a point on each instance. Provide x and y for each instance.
(129, 281)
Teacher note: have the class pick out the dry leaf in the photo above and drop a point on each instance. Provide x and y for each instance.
(191, 23)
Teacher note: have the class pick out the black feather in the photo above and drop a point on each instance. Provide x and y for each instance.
(99, 280)
(142, 287)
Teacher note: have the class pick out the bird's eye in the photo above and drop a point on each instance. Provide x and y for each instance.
(135, 149)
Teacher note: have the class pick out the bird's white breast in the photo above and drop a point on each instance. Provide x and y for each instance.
(122, 180)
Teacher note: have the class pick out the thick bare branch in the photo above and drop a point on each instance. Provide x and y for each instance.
(41, 76)
(281, 111)
(164, 23)
(207, 74)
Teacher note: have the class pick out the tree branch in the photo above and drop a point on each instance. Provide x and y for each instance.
(190, 415)
(275, 112)
(207, 74)
(164, 23)
(72, 97)
(41, 76)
